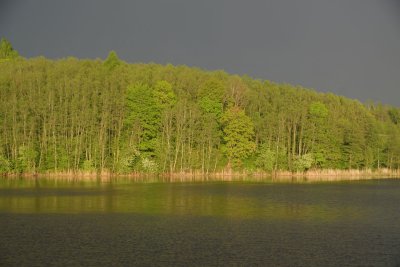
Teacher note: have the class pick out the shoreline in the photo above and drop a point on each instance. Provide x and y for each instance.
(310, 176)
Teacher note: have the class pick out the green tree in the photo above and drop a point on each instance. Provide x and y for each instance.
(238, 135)
(212, 88)
(303, 162)
(6, 50)
(318, 111)
(164, 95)
(27, 157)
(318, 114)
(210, 106)
(5, 165)
(144, 117)
(112, 60)
(266, 158)
(394, 115)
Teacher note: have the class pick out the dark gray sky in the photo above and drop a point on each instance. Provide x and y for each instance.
(348, 47)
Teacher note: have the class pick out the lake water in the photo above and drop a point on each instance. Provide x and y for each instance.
(123, 223)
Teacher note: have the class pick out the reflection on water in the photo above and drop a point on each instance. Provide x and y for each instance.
(214, 223)
(241, 200)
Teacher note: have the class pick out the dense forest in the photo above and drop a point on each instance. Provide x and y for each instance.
(71, 115)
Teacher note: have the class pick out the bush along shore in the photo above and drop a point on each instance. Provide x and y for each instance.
(89, 118)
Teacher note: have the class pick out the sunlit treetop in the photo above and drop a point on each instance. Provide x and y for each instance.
(112, 60)
(6, 50)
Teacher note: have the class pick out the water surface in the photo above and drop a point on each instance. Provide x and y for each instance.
(45, 222)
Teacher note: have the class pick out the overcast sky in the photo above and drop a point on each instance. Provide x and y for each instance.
(348, 47)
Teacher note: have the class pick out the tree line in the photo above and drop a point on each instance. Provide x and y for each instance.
(72, 115)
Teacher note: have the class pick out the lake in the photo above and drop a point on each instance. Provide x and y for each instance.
(125, 223)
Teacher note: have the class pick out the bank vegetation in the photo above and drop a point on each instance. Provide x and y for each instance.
(107, 117)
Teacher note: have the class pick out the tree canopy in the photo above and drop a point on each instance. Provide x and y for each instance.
(70, 115)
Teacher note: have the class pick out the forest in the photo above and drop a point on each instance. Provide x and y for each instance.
(71, 115)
